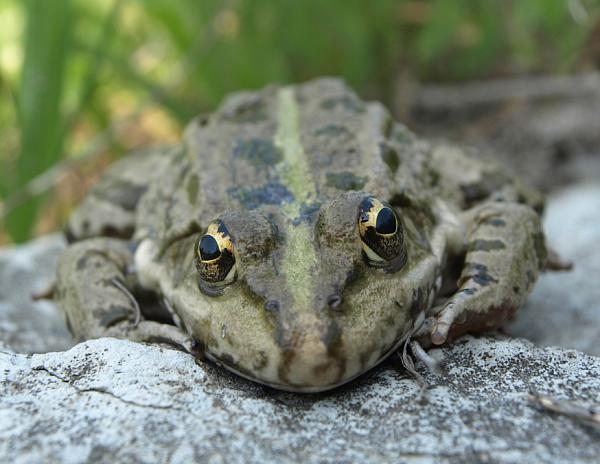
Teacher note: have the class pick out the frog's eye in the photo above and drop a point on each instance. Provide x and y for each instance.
(381, 234)
(215, 259)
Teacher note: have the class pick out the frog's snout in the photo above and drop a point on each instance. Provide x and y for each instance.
(310, 341)
(312, 364)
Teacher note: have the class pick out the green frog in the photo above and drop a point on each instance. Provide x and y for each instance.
(298, 236)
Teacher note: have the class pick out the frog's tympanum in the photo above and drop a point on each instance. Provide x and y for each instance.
(298, 236)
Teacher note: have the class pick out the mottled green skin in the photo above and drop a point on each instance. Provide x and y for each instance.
(285, 169)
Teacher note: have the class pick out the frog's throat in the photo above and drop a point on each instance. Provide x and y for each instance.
(300, 261)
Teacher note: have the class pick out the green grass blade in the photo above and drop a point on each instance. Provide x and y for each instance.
(46, 48)
(123, 68)
(96, 61)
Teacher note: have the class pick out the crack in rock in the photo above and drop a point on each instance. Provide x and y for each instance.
(102, 391)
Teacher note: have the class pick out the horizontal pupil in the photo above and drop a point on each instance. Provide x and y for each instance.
(386, 221)
(209, 249)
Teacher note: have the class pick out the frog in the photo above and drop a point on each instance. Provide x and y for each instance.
(298, 236)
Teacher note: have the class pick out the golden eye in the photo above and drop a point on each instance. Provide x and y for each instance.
(215, 259)
(382, 235)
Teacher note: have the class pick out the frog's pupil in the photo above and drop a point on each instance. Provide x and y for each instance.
(386, 221)
(209, 249)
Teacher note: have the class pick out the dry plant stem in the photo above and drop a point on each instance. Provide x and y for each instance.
(499, 90)
(586, 413)
(409, 365)
(47, 180)
(138, 312)
(418, 352)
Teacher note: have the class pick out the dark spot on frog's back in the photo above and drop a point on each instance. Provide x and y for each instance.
(345, 180)
(332, 130)
(271, 193)
(389, 156)
(486, 245)
(346, 102)
(192, 189)
(307, 212)
(82, 262)
(248, 111)
(258, 152)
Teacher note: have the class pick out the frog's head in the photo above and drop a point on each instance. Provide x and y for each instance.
(306, 298)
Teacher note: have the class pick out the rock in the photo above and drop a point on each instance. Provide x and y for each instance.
(564, 308)
(29, 326)
(117, 401)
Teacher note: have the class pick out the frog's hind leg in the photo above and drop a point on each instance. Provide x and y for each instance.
(95, 291)
(506, 251)
(109, 208)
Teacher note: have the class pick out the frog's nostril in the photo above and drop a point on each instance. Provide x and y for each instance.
(334, 301)
(272, 306)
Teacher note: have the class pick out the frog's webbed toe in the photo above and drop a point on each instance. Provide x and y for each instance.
(94, 289)
(506, 251)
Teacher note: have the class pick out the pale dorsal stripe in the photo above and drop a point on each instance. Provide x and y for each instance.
(295, 171)
(299, 261)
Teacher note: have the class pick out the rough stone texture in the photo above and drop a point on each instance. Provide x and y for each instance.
(564, 308)
(116, 401)
(29, 326)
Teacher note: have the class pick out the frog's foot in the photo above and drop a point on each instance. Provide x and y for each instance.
(94, 289)
(505, 254)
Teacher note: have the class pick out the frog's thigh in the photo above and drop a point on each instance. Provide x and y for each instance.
(505, 253)
(109, 207)
(93, 291)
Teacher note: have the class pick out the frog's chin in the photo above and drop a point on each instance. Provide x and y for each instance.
(306, 388)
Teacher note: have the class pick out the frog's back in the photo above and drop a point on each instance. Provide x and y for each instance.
(300, 144)
(239, 162)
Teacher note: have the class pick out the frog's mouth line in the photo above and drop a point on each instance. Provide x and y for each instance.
(308, 388)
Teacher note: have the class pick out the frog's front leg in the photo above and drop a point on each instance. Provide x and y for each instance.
(505, 252)
(95, 291)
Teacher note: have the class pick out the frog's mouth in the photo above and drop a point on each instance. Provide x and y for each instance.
(306, 388)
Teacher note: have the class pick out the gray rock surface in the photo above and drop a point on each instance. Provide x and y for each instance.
(117, 401)
(29, 326)
(564, 308)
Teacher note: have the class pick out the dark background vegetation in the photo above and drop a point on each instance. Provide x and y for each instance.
(84, 81)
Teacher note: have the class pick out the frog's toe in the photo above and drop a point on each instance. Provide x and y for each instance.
(443, 322)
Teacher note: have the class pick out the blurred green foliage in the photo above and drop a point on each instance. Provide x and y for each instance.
(72, 64)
